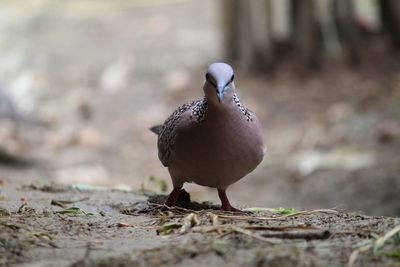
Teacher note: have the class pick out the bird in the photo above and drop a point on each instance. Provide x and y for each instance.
(214, 141)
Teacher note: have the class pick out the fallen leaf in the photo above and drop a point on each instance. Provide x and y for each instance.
(74, 210)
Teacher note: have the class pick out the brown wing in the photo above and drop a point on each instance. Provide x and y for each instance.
(167, 135)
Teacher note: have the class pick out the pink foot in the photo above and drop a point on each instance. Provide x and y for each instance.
(173, 196)
(230, 208)
(226, 205)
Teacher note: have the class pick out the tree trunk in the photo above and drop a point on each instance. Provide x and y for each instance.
(305, 32)
(390, 14)
(247, 26)
(344, 11)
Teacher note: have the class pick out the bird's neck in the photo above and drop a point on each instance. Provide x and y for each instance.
(227, 106)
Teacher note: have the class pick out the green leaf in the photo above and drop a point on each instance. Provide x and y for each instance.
(286, 211)
(362, 243)
(374, 235)
(88, 187)
(4, 212)
(278, 210)
(394, 254)
(74, 210)
(168, 228)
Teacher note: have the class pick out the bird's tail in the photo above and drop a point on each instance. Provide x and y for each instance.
(156, 129)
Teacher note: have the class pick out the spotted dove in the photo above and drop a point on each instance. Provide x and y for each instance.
(214, 141)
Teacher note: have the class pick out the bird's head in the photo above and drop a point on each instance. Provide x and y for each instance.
(219, 87)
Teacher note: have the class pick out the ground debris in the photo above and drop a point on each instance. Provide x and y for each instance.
(63, 203)
(307, 234)
(183, 201)
(375, 245)
(4, 212)
(183, 236)
(168, 228)
(51, 188)
(260, 218)
(278, 210)
(188, 222)
(183, 220)
(74, 210)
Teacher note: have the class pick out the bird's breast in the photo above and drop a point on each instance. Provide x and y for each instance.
(221, 150)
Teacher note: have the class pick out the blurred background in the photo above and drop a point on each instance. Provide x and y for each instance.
(82, 81)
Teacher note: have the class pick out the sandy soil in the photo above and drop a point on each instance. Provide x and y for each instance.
(111, 231)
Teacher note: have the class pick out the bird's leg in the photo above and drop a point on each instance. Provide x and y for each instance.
(173, 196)
(226, 205)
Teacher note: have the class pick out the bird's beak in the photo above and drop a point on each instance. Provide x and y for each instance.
(220, 93)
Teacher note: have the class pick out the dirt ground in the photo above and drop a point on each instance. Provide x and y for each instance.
(99, 74)
(111, 231)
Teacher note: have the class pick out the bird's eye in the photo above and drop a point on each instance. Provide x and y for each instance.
(211, 80)
(231, 80)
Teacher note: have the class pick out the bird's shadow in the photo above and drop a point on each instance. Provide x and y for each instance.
(184, 201)
(156, 200)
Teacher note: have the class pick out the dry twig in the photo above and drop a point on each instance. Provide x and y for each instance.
(308, 234)
(254, 218)
(63, 203)
(253, 235)
(376, 244)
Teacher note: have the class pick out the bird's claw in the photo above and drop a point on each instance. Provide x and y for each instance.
(232, 209)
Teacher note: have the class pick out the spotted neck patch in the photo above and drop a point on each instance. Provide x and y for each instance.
(244, 110)
(199, 110)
